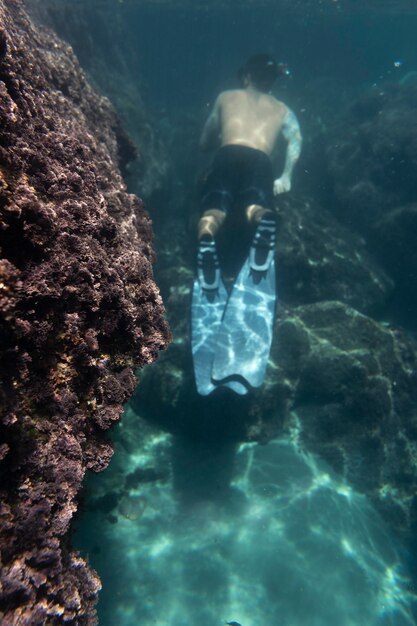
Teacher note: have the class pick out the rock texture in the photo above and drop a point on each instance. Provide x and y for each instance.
(371, 159)
(353, 393)
(371, 154)
(319, 259)
(78, 312)
(97, 33)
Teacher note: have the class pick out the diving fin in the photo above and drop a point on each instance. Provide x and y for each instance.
(206, 314)
(244, 338)
(209, 300)
(208, 303)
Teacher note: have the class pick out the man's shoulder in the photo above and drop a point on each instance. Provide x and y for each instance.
(277, 103)
(230, 93)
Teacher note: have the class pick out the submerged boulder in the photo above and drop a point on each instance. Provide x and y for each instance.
(354, 393)
(320, 259)
(79, 311)
(371, 155)
(370, 158)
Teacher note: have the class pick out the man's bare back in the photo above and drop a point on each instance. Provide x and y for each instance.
(250, 118)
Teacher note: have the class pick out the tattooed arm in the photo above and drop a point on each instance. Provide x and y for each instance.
(291, 132)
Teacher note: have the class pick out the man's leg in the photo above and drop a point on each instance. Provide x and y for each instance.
(255, 213)
(208, 301)
(208, 267)
(262, 249)
(210, 222)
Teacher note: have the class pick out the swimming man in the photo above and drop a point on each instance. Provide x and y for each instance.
(245, 125)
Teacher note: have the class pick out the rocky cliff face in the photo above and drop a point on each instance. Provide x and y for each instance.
(79, 310)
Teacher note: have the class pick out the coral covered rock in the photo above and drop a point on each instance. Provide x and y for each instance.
(98, 35)
(79, 311)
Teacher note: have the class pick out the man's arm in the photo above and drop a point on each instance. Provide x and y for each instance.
(211, 131)
(291, 132)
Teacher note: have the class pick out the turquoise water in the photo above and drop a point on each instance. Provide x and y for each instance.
(186, 529)
(285, 542)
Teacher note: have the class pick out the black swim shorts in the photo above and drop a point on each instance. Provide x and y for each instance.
(239, 177)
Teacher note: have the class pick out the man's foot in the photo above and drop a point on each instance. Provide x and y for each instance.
(208, 267)
(262, 249)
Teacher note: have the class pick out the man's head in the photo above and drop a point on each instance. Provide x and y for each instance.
(260, 71)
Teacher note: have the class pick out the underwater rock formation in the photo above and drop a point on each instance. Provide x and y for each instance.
(101, 55)
(354, 393)
(319, 259)
(371, 155)
(371, 159)
(79, 312)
